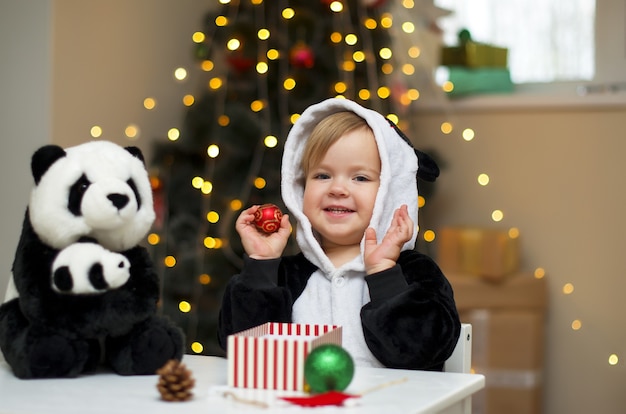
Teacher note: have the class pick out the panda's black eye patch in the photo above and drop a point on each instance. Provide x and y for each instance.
(96, 277)
(62, 279)
(77, 191)
(133, 187)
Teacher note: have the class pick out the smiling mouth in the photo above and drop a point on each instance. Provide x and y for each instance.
(338, 210)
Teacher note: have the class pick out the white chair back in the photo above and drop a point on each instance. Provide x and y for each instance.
(461, 359)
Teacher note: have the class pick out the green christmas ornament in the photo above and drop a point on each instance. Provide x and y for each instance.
(328, 368)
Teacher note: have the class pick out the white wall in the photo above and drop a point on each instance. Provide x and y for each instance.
(110, 56)
(25, 111)
(610, 41)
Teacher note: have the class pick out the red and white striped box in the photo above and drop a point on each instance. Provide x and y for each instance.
(271, 356)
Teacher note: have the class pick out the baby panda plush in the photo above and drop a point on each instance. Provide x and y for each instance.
(83, 291)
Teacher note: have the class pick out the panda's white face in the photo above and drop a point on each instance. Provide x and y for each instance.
(97, 189)
(88, 268)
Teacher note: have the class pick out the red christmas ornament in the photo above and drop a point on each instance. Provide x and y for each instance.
(267, 218)
(302, 56)
(240, 63)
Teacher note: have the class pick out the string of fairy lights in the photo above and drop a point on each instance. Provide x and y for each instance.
(353, 41)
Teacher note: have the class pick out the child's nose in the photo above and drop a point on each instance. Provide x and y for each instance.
(339, 188)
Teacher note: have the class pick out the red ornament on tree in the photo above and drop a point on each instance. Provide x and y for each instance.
(267, 218)
(240, 63)
(301, 56)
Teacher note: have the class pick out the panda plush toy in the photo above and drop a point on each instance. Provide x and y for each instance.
(83, 291)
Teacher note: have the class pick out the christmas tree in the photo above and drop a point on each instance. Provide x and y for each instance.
(264, 63)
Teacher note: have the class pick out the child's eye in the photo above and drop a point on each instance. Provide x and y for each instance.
(321, 176)
(361, 178)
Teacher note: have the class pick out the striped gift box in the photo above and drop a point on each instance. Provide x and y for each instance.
(271, 356)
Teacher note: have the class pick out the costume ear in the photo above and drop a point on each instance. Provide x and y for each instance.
(427, 168)
(43, 158)
(136, 152)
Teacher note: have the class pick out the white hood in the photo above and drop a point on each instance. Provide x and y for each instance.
(398, 181)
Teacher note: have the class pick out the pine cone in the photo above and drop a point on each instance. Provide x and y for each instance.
(175, 381)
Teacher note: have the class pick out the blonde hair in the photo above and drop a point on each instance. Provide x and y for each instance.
(326, 133)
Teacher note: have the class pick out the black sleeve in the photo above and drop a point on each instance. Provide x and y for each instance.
(411, 321)
(252, 298)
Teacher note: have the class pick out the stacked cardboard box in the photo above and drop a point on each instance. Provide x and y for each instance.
(492, 254)
(507, 312)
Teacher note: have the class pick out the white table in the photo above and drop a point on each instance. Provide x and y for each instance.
(104, 392)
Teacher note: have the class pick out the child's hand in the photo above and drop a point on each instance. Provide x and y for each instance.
(259, 245)
(383, 256)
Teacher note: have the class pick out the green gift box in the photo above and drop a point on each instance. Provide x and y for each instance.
(473, 54)
(468, 81)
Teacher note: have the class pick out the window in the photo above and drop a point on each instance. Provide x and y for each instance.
(547, 40)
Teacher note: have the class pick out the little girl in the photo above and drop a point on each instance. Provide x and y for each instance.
(349, 177)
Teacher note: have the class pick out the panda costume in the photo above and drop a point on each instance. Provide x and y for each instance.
(404, 317)
(83, 291)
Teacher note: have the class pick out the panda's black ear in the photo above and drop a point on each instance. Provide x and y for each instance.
(43, 158)
(136, 152)
(427, 167)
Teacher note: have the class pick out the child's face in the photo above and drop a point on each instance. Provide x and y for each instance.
(340, 191)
